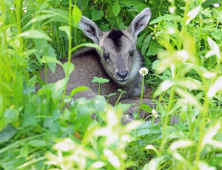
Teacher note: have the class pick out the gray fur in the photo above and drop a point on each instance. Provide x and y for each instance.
(90, 63)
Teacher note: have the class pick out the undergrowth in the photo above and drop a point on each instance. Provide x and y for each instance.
(182, 48)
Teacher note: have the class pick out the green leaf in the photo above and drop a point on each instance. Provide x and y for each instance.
(146, 43)
(100, 80)
(56, 114)
(136, 4)
(215, 50)
(151, 147)
(49, 59)
(76, 13)
(140, 6)
(147, 128)
(29, 119)
(7, 133)
(124, 107)
(35, 34)
(154, 49)
(189, 97)
(87, 45)
(37, 143)
(146, 108)
(40, 45)
(116, 8)
(140, 40)
(65, 68)
(97, 15)
(27, 89)
(166, 17)
(49, 51)
(192, 14)
(209, 135)
(66, 29)
(120, 90)
(112, 94)
(39, 18)
(58, 87)
(27, 53)
(55, 88)
(32, 81)
(9, 116)
(153, 164)
(78, 89)
(181, 144)
(208, 3)
(205, 166)
(215, 88)
(53, 125)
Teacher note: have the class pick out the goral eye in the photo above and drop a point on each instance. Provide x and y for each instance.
(131, 53)
(106, 56)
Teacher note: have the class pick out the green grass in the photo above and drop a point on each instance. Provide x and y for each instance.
(182, 49)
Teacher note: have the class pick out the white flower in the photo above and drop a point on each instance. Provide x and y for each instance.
(154, 113)
(216, 5)
(143, 71)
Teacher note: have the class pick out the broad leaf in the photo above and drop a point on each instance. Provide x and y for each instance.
(154, 49)
(7, 133)
(76, 13)
(35, 34)
(49, 59)
(66, 29)
(78, 89)
(116, 8)
(97, 14)
(65, 68)
(100, 80)
(39, 18)
(49, 51)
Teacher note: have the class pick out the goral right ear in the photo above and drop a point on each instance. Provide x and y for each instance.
(90, 29)
(140, 22)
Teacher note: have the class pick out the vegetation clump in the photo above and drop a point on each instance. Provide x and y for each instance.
(46, 129)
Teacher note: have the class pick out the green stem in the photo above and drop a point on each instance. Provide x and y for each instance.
(18, 16)
(118, 98)
(183, 26)
(160, 98)
(99, 89)
(31, 162)
(46, 81)
(141, 97)
(167, 117)
(70, 48)
(3, 26)
(201, 129)
(217, 68)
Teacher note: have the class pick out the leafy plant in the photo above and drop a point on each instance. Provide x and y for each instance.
(182, 48)
(99, 80)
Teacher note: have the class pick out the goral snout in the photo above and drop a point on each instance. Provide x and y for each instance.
(122, 76)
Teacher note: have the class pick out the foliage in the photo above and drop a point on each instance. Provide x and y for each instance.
(46, 129)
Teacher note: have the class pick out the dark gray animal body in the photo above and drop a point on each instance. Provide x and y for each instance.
(119, 62)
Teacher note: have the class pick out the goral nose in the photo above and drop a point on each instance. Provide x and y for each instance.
(122, 74)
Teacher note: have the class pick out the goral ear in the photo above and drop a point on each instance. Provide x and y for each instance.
(90, 29)
(140, 22)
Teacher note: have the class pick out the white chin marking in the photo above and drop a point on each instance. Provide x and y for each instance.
(122, 82)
